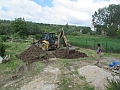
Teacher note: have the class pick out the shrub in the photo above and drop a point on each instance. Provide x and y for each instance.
(0, 39)
(4, 38)
(37, 36)
(92, 33)
(2, 49)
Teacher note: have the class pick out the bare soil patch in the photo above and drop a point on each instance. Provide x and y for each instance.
(34, 53)
(63, 53)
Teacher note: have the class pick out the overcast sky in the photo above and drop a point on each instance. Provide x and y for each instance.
(73, 12)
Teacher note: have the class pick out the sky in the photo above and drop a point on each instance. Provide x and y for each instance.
(62, 12)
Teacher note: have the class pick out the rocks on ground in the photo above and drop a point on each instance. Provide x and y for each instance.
(95, 76)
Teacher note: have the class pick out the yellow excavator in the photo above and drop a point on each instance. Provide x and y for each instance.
(50, 41)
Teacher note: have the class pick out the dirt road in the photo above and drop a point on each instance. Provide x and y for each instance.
(46, 81)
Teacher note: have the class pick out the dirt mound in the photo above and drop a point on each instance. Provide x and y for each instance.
(34, 53)
(63, 53)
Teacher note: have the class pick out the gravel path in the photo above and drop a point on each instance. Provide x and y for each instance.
(45, 82)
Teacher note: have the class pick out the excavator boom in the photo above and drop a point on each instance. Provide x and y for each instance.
(69, 47)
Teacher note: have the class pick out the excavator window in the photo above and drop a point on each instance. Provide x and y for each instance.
(52, 38)
(45, 36)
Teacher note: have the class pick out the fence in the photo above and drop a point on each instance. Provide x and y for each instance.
(110, 45)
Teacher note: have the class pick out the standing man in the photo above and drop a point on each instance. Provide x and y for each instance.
(99, 50)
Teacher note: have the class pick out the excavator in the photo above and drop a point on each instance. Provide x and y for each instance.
(50, 41)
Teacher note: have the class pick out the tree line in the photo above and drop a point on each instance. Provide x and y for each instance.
(107, 19)
(20, 27)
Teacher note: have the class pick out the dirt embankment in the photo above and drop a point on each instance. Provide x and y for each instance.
(34, 53)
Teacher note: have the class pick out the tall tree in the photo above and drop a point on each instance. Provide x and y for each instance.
(107, 18)
(5, 28)
(19, 26)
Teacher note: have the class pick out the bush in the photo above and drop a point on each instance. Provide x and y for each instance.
(92, 33)
(2, 49)
(0, 39)
(4, 38)
(37, 36)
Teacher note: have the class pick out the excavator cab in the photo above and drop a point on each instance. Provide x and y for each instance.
(50, 37)
(47, 41)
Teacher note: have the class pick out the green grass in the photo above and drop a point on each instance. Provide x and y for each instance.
(87, 41)
(14, 62)
(70, 82)
(113, 84)
(10, 68)
(66, 79)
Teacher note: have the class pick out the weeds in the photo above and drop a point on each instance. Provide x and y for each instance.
(12, 68)
(113, 84)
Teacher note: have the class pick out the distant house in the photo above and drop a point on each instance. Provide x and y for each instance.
(103, 32)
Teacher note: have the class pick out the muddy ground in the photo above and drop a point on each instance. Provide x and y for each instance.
(34, 53)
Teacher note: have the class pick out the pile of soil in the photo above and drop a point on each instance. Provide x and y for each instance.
(64, 54)
(34, 53)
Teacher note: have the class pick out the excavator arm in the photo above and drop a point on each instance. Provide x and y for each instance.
(69, 47)
(61, 34)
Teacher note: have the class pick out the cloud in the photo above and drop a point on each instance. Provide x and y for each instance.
(74, 12)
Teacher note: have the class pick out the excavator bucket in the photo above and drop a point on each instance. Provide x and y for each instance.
(71, 49)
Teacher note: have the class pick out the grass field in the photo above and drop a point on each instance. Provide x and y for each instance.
(88, 41)
(66, 78)
(8, 70)
(11, 69)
